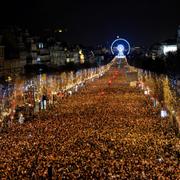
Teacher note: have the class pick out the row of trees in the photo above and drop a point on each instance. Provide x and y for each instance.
(169, 64)
(162, 92)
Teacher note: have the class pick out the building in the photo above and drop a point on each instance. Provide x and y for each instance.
(43, 56)
(58, 55)
(163, 48)
(13, 66)
(169, 48)
(72, 56)
(39, 54)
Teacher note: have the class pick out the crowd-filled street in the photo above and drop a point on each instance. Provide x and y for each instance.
(106, 130)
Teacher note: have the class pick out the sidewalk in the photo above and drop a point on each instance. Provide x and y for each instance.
(108, 129)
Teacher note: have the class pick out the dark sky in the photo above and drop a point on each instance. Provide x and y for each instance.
(142, 22)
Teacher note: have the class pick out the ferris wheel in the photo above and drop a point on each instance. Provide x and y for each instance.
(120, 48)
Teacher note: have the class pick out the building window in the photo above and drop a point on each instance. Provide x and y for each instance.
(41, 45)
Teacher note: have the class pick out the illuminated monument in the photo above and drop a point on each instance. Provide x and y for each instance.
(120, 48)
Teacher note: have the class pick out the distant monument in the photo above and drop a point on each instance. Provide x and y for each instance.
(120, 48)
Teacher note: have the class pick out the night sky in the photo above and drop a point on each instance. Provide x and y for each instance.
(142, 22)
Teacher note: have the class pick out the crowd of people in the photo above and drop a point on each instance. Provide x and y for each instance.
(29, 96)
(107, 130)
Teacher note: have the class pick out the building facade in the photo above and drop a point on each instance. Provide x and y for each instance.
(58, 56)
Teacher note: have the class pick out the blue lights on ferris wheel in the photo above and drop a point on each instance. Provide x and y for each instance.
(120, 48)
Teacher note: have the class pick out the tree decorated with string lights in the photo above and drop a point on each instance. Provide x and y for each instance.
(169, 97)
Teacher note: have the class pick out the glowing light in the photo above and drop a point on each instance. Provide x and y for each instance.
(67, 60)
(81, 55)
(120, 47)
(164, 113)
(82, 58)
(9, 78)
(169, 48)
(80, 51)
(41, 45)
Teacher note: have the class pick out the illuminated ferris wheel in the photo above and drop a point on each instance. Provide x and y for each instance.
(120, 48)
